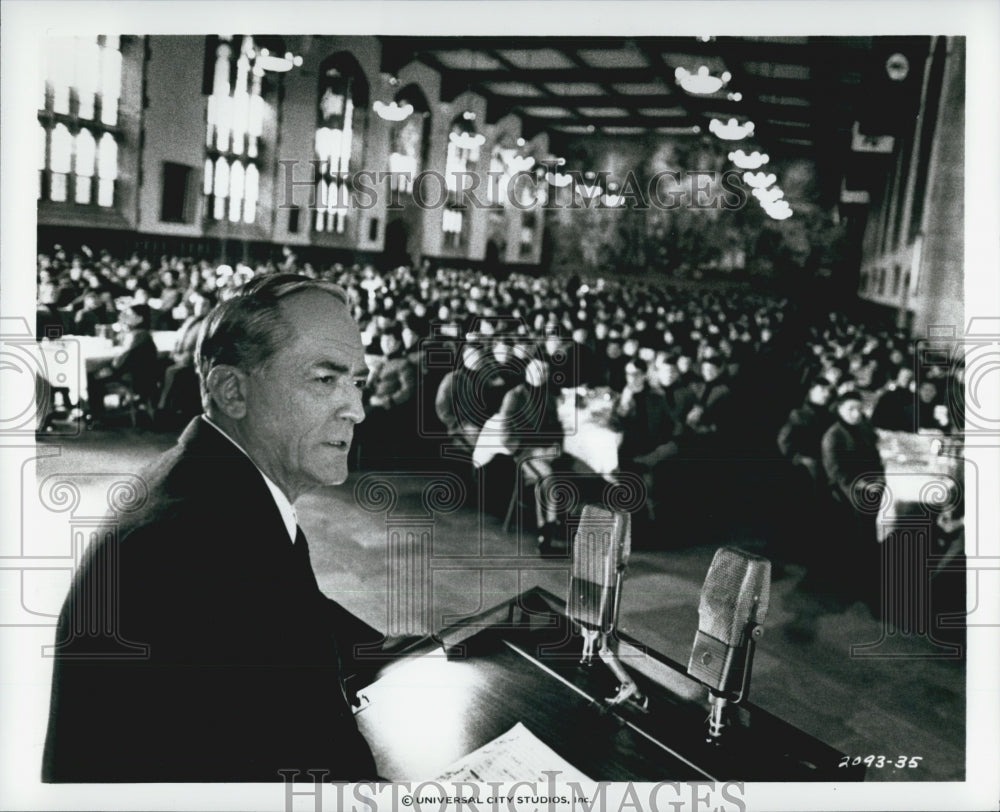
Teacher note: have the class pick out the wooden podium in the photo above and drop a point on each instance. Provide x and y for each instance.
(519, 662)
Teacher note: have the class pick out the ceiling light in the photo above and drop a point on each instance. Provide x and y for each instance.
(737, 96)
(701, 83)
(778, 211)
(558, 179)
(393, 111)
(521, 142)
(767, 196)
(467, 140)
(758, 180)
(755, 160)
(732, 131)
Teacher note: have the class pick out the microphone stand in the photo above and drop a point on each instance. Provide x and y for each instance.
(719, 699)
(627, 691)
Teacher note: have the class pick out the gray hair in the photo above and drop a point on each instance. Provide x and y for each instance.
(246, 330)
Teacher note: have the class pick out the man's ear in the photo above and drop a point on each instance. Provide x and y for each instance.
(227, 387)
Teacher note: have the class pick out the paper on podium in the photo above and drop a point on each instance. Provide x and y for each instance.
(517, 755)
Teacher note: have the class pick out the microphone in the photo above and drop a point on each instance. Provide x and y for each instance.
(731, 609)
(601, 549)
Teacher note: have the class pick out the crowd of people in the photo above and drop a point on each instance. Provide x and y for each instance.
(699, 379)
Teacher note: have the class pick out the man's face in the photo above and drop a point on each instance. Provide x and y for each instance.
(303, 404)
(667, 373)
(635, 378)
(388, 343)
(819, 395)
(501, 352)
(850, 412)
(710, 371)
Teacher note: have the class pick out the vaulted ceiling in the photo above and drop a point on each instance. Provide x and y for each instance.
(802, 93)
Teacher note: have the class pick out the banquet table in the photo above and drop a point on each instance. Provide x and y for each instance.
(585, 416)
(65, 362)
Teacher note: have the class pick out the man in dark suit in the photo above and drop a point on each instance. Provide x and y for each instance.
(195, 644)
(137, 364)
(856, 477)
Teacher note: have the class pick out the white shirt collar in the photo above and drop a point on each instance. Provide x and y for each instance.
(285, 507)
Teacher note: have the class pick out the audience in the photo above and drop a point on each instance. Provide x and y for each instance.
(694, 374)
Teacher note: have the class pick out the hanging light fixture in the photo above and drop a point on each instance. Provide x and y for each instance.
(755, 160)
(731, 131)
(267, 56)
(758, 180)
(393, 111)
(778, 210)
(767, 196)
(466, 140)
(558, 179)
(701, 83)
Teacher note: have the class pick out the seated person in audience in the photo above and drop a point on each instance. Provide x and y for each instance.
(48, 318)
(800, 439)
(170, 296)
(389, 399)
(932, 411)
(709, 423)
(856, 478)
(180, 394)
(665, 376)
(461, 404)
(644, 419)
(88, 317)
(71, 285)
(562, 359)
(135, 365)
(612, 372)
(508, 364)
(895, 409)
(531, 431)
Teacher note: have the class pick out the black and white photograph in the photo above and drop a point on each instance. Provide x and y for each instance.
(500, 406)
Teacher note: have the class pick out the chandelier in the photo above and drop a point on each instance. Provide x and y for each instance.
(731, 131)
(393, 111)
(758, 180)
(755, 160)
(701, 83)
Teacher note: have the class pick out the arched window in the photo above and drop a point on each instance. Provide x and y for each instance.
(234, 128)
(79, 110)
(60, 162)
(86, 160)
(408, 139)
(41, 151)
(341, 116)
(235, 192)
(107, 170)
(250, 193)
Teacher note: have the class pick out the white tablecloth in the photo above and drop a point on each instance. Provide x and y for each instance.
(65, 362)
(922, 473)
(586, 437)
